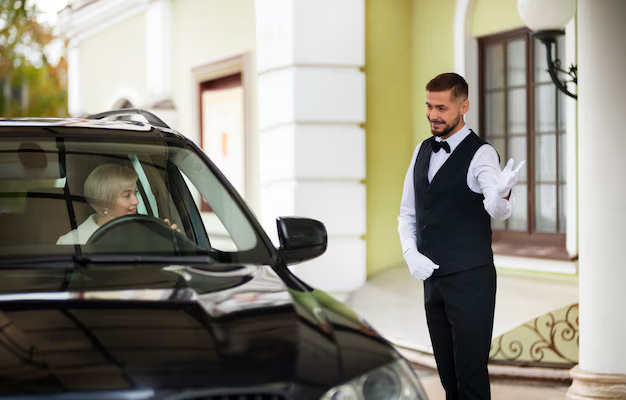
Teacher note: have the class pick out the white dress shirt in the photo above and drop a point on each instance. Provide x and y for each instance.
(81, 234)
(482, 177)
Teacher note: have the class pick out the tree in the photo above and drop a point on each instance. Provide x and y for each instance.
(29, 84)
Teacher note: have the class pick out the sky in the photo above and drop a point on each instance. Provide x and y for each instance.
(49, 9)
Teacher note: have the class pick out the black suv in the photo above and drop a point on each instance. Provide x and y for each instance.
(180, 295)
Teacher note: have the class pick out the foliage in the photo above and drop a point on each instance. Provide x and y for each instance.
(29, 84)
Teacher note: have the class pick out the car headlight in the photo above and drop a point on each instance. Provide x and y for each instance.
(395, 381)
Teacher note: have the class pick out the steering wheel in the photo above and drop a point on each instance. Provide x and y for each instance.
(140, 233)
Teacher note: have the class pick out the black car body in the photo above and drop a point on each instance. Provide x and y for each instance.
(141, 311)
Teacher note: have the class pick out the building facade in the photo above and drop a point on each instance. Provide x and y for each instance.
(314, 107)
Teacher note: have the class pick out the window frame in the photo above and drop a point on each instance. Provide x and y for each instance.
(529, 243)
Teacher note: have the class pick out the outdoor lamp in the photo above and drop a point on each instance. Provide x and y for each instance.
(547, 19)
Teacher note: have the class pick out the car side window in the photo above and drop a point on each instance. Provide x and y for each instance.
(218, 234)
(154, 182)
(228, 228)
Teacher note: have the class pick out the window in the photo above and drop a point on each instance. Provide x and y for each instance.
(523, 117)
(42, 198)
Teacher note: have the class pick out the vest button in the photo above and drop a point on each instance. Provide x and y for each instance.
(426, 210)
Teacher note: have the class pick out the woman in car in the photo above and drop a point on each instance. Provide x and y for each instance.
(110, 189)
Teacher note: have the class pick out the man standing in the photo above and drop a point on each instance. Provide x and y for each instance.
(453, 186)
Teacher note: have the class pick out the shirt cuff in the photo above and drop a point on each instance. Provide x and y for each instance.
(510, 206)
(498, 207)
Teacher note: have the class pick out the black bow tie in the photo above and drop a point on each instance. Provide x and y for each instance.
(440, 145)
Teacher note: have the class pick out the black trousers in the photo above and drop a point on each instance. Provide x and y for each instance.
(459, 313)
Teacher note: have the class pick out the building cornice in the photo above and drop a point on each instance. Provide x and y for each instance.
(89, 18)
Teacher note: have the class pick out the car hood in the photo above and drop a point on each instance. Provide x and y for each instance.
(172, 328)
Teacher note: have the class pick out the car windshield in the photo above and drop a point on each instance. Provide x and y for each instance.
(77, 195)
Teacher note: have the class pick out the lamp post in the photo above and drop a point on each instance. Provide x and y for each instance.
(547, 19)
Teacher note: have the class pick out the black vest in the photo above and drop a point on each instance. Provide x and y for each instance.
(453, 227)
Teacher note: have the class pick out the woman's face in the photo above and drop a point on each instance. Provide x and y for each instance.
(126, 202)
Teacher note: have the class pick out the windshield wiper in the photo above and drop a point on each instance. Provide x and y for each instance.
(79, 260)
(141, 259)
(37, 262)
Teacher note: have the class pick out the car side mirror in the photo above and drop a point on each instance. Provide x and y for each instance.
(300, 238)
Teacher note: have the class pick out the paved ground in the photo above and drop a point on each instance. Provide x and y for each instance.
(501, 389)
(393, 303)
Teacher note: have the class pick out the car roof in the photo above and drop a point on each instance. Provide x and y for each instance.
(93, 126)
(75, 122)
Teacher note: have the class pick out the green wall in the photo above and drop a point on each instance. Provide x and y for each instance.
(408, 42)
(389, 125)
(433, 54)
(494, 16)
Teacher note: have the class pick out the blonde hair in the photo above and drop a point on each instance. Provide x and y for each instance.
(105, 183)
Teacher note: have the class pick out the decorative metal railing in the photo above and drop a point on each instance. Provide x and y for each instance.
(550, 340)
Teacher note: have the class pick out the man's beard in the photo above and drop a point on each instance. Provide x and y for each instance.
(448, 128)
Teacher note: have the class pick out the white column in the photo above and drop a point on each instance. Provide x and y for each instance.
(159, 49)
(571, 151)
(159, 61)
(602, 142)
(312, 144)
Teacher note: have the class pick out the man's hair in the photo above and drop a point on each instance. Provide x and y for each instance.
(449, 81)
(105, 183)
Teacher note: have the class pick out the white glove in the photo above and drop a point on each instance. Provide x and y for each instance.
(508, 178)
(420, 266)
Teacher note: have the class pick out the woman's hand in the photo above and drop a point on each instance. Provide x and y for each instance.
(173, 226)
